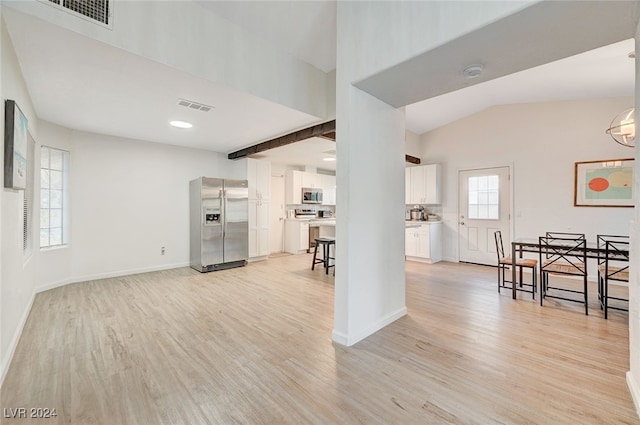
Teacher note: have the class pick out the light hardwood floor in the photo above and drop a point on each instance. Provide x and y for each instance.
(252, 346)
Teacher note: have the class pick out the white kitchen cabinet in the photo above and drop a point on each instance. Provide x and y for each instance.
(422, 184)
(259, 179)
(424, 243)
(293, 187)
(259, 184)
(296, 236)
(328, 185)
(329, 195)
(258, 228)
(311, 180)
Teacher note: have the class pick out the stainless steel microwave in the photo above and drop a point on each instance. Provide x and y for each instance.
(311, 195)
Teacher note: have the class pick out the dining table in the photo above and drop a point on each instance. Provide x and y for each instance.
(530, 244)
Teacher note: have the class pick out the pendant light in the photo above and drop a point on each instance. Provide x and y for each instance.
(623, 128)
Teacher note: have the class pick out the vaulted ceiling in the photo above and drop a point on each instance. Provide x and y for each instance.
(80, 83)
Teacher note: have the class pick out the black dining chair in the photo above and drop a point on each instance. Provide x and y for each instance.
(613, 265)
(563, 254)
(507, 262)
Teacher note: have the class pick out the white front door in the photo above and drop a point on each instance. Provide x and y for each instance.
(277, 214)
(484, 207)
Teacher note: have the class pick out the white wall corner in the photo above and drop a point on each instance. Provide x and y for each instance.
(353, 338)
(634, 389)
(6, 361)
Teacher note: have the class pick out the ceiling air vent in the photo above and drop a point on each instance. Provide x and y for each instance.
(96, 10)
(194, 105)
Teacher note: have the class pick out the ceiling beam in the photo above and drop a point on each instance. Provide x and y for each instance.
(412, 159)
(319, 130)
(325, 130)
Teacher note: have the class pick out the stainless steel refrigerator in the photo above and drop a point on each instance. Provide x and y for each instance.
(219, 223)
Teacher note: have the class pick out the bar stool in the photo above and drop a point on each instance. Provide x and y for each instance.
(326, 245)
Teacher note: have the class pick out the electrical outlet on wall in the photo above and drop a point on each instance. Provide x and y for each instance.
(162, 250)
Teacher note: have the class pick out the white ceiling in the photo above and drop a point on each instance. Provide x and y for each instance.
(83, 84)
(86, 85)
(305, 29)
(600, 73)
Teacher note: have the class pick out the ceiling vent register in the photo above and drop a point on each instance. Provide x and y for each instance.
(194, 105)
(97, 10)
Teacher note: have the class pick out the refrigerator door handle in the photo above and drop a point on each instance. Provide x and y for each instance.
(223, 213)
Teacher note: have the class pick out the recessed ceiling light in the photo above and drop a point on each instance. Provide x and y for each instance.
(180, 124)
(328, 159)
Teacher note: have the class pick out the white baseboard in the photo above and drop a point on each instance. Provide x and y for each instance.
(339, 337)
(350, 340)
(119, 273)
(634, 389)
(6, 362)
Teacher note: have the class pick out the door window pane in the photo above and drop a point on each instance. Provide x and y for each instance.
(484, 197)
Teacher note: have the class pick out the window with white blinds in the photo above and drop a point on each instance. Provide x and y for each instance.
(54, 176)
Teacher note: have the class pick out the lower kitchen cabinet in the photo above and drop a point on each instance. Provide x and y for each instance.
(258, 228)
(296, 236)
(424, 243)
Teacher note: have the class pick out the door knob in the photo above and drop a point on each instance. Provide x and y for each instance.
(462, 222)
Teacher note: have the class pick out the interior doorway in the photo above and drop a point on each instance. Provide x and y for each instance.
(484, 206)
(276, 235)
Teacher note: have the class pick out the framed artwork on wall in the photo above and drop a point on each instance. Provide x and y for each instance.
(604, 183)
(15, 146)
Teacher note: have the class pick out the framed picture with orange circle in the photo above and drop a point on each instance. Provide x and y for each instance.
(604, 183)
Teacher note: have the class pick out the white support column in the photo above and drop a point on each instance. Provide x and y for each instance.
(370, 278)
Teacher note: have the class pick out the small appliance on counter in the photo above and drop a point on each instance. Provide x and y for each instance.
(325, 214)
(417, 213)
(305, 213)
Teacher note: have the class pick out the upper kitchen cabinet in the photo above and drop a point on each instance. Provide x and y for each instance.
(422, 184)
(296, 180)
(328, 185)
(293, 187)
(311, 180)
(259, 179)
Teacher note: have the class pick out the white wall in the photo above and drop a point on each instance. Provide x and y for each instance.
(542, 141)
(633, 376)
(187, 36)
(412, 144)
(17, 280)
(128, 198)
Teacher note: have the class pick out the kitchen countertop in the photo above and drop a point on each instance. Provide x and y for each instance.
(418, 223)
(322, 222)
(316, 221)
